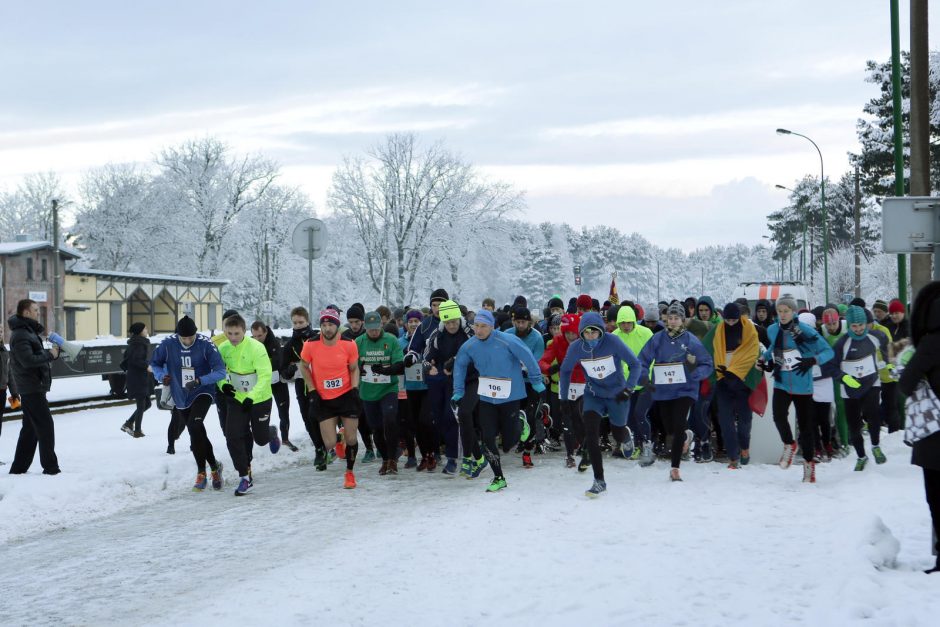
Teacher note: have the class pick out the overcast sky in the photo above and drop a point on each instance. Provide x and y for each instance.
(655, 119)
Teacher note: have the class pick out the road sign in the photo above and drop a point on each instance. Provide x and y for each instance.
(909, 224)
(309, 238)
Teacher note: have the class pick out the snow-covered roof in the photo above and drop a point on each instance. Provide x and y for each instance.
(15, 248)
(149, 277)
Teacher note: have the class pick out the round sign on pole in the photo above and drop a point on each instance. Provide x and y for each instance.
(309, 238)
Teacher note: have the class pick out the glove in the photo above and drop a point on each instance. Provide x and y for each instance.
(801, 338)
(454, 406)
(690, 359)
(851, 382)
(247, 403)
(410, 360)
(538, 387)
(379, 368)
(166, 379)
(229, 390)
(647, 383)
(289, 372)
(449, 365)
(456, 397)
(553, 369)
(623, 395)
(313, 402)
(806, 364)
(766, 366)
(191, 385)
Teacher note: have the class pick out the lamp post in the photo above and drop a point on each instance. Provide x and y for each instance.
(822, 197)
(803, 248)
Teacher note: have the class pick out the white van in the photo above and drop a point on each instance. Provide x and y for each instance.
(754, 291)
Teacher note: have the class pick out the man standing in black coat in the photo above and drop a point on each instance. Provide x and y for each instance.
(33, 375)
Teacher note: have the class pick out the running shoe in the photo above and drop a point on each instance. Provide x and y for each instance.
(450, 468)
(496, 485)
(411, 463)
(393, 467)
(545, 411)
(585, 462)
(809, 472)
(789, 450)
(128, 429)
(527, 460)
(319, 460)
(525, 427)
(432, 463)
(369, 457)
(879, 456)
(424, 464)
(636, 453)
(244, 485)
(595, 490)
(466, 465)
(860, 464)
(384, 469)
(217, 476)
(478, 466)
(200, 484)
(349, 480)
(734, 465)
(331, 457)
(745, 457)
(647, 457)
(674, 475)
(138, 434)
(570, 463)
(274, 442)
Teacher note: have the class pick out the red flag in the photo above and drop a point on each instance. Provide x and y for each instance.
(613, 298)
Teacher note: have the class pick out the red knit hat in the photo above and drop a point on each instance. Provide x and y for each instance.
(895, 306)
(830, 316)
(569, 323)
(585, 301)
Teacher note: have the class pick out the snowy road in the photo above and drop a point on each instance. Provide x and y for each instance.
(752, 547)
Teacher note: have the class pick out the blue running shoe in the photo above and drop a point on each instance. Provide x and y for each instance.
(369, 456)
(274, 442)
(200, 483)
(244, 485)
(450, 468)
(478, 466)
(217, 477)
(466, 467)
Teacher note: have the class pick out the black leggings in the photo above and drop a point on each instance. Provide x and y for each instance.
(310, 422)
(424, 422)
(467, 411)
(572, 424)
(804, 419)
(865, 408)
(192, 417)
(383, 418)
(932, 490)
(143, 404)
(675, 417)
(406, 427)
(592, 440)
(822, 430)
(244, 427)
(282, 401)
(502, 420)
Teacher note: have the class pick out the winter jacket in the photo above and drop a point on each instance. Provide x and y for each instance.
(29, 361)
(610, 352)
(202, 359)
(854, 355)
(419, 341)
(6, 380)
(925, 364)
(533, 340)
(635, 339)
(782, 341)
(414, 377)
(898, 331)
(248, 369)
(136, 360)
(670, 353)
(555, 354)
(714, 318)
(442, 348)
(765, 305)
(496, 357)
(276, 354)
(292, 350)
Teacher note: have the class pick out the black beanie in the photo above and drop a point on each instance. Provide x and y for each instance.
(521, 313)
(186, 327)
(556, 302)
(520, 301)
(356, 312)
(137, 328)
(731, 312)
(440, 294)
(858, 301)
(229, 313)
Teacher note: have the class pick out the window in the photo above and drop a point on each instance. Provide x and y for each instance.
(116, 326)
(44, 273)
(43, 312)
(29, 268)
(213, 312)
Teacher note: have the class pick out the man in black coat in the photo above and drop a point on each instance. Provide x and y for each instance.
(139, 384)
(33, 375)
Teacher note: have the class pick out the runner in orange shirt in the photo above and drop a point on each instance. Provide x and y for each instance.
(332, 374)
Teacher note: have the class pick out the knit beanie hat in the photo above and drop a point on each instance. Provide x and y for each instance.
(449, 311)
(830, 316)
(869, 318)
(569, 323)
(356, 312)
(676, 310)
(186, 327)
(880, 304)
(572, 305)
(731, 312)
(331, 315)
(228, 313)
(137, 328)
(486, 317)
(807, 318)
(439, 295)
(787, 301)
(858, 301)
(584, 301)
(651, 314)
(855, 315)
(895, 306)
(555, 321)
(842, 308)
(521, 313)
(414, 313)
(555, 303)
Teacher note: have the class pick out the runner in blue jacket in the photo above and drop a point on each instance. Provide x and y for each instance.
(498, 358)
(190, 365)
(602, 355)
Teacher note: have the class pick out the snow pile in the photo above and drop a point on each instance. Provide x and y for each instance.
(878, 545)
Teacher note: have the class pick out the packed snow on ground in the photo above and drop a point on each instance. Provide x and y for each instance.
(119, 538)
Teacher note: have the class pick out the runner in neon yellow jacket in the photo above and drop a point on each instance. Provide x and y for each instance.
(249, 357)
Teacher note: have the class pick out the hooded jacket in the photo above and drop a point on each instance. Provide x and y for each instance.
(781, 341)
(610, 352)
(714, 318)
(29, 361)
(664, 350)
(765, 305)
(635, 339)
(496, 357)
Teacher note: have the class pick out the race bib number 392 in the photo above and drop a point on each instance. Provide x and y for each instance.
(332, 384)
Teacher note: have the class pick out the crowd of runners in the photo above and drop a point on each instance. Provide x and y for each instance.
(464, 392)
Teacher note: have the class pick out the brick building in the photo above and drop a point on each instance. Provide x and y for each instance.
(26, 268)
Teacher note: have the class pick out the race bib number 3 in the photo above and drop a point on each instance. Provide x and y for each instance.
(494, 388)
(668, 374)
(415, 373)
(333, 384)
(599, 368)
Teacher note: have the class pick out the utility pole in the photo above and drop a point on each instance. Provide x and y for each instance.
(56, 305)
(920, 130)
(898, 133)
(858, 237)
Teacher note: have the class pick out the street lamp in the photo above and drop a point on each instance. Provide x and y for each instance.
(822, 196)
(803, 249)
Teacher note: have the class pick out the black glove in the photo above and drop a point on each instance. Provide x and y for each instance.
(289, 371)
(410, 360)
(192, 385)
(766, 366)
(229, 390)
(247, 403)
(623, 395)
(647, 383)
(313, 402)
(553, 369)
(806, 364)
(354, 395)
(449, 365)
(166, 379)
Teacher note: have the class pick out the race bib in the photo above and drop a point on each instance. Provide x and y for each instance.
(333, 384)
(668, 374)
(494, 388)
(599, 368)
(859, 368)
(373, 377)
(189, 374)
(575, 391)
(275, 377)
(242, 382)
(790, 359)
(817, 373)
(415, 373)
